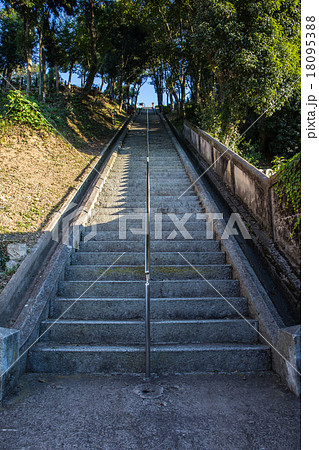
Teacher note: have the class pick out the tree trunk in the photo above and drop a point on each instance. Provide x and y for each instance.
(44, 77)
(128, 94)
(28, 52)
(112, 91)
(121, 93)
(57, 78)
(197, 83)
(70, 76)
(159, 91)
(3, 81)
(121, 81)
(182, 104)
(102, 83)
(171, 99)
(9, 74)
(174, 94)
(40, 61)
(135, 103)
(220, 82)
(89, 80)
(133, 94)
(264, 138)
(93, 38)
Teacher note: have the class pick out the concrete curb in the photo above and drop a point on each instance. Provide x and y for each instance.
(260, 305)
(25, 300)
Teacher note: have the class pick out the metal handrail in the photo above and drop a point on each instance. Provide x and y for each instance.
(147, 258)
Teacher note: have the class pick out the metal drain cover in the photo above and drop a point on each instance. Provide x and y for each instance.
(148, 391)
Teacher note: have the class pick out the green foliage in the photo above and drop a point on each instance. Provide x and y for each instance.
(11, 40)
(23, 110)
(212, 120)
(219, 123)
(289, 187)
(283, 128)
(239, 60)
(249, 152)
(253, 54)
(248, 65)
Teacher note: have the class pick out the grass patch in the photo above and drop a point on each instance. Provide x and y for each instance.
(38, 167)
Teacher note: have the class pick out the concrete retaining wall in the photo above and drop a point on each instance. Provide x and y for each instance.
(284, 342)
(256, 191)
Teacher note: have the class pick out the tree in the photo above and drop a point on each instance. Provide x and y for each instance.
(68, 37)
(93, 46)
(11, 41)
(27, 10)
(252, 53)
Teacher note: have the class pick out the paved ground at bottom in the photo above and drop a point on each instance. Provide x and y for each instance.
(214, 411)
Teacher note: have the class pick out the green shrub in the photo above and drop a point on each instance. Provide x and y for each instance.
(218, 123)
(25, 111)
(249, 152)
(166, 109)
(215, 122)
(289, 186)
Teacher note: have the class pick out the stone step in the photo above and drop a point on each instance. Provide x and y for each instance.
(119, 173)
(174, 190)
(196, 358)
(162, 205)
(113, 213)
(161, 308)
(140, 195)
(161, 235)
(162, 332)
(135, 202)
(138, 215)
(138, 258)
(161, 289)
(172, 272)
(178, 207)
(141, 183)
(195, 326)
(156, 246)
(123, 180)
(155, 160)
(166, 224)
(155, 172)
(163, 189)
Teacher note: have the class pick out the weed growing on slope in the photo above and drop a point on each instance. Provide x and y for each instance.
(23, 110)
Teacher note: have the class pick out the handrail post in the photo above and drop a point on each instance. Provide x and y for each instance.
(147, 260)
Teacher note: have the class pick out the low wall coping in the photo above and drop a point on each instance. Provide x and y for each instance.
(237, 159)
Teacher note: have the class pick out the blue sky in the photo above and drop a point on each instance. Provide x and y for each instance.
(147, 93)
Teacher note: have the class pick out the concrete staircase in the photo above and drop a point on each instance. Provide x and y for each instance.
(193, 328)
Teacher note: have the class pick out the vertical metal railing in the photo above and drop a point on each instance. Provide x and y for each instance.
(147, 258)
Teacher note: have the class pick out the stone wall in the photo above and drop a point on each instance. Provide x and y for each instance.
(256, 191)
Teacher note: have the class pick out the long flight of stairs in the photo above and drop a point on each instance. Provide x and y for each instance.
(193, 328)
